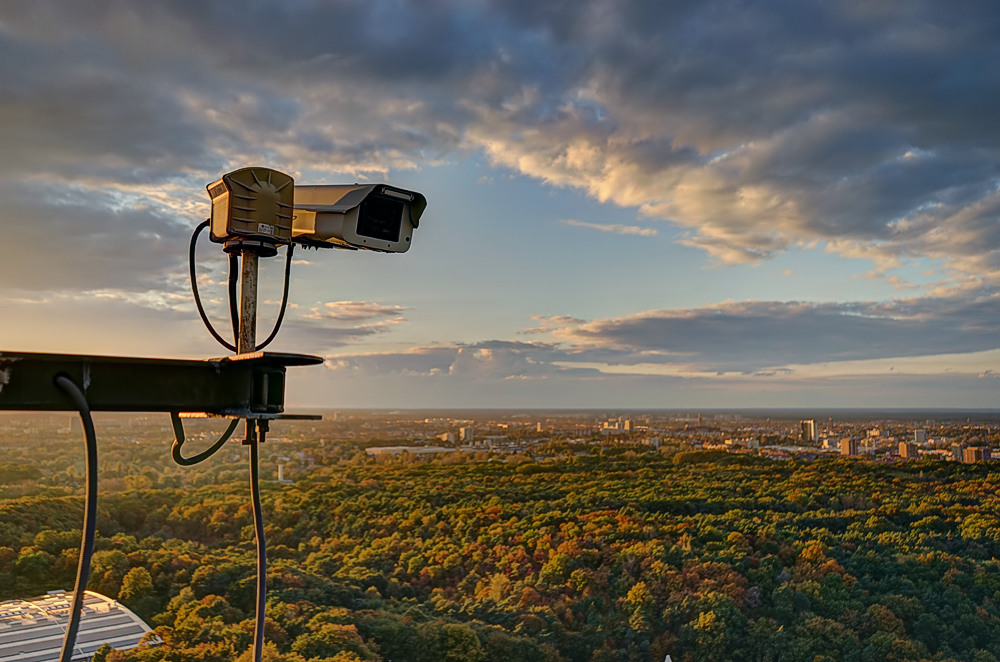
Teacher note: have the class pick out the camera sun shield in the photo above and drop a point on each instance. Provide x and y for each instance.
(252, 207)
(374, 217)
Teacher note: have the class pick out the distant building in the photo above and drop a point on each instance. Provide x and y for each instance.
(977, 454)
(467, 434)
(447, 437)
(539, 427)
(908, 450)
(958, 452)
(628, 425)
(920, 436)
(32, 630)
(809, 431)
(848, 447)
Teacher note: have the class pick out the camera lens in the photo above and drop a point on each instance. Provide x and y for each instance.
(380, 218)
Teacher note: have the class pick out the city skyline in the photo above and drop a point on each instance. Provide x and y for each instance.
(631, 204)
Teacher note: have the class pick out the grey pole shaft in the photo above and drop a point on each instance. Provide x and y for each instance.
(248, 304)
(247, 343)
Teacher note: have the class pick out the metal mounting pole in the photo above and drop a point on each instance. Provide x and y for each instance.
(247, 342)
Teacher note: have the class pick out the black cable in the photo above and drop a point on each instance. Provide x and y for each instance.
(194, 288)
(234, 279)
(89, 515)
(175, 450)
(233, 309)
(284, 298)
(258, 529)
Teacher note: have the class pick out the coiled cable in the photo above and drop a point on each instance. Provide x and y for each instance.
(175, 449)
(233, 308)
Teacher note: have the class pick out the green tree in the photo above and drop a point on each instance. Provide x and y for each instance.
(448, 642)
(137, 592)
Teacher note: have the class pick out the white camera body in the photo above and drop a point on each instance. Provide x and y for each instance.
(375, 217)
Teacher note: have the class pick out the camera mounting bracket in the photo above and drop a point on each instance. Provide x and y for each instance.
(250, 385)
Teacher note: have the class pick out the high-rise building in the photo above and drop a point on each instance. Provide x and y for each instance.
(466, 434)
(848, 447)
(920, 436)
(958, 452)
(977, 454)
(809, 431)
(908, 450)
(628, 425)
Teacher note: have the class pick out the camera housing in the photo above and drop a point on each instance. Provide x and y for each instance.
(376, 217)
(252, 209)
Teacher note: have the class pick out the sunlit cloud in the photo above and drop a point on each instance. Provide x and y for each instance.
(549, 323)
(853, 132)
(612, 227)
(824, 149)
(351, 311)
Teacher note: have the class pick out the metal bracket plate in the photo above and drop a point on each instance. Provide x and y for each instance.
(245, 385)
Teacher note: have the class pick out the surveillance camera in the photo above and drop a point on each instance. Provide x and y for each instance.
(375, 217)
(252, 208)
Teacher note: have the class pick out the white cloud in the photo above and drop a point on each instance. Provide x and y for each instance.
(613, 227)
(352, 311)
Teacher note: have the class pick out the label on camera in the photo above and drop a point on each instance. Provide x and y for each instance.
(264, 228)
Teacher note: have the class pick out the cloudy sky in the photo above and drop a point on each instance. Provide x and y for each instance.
(632, 203)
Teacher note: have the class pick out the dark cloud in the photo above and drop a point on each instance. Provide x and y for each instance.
(484, 361)
(61, 237)
(753, 338)
(754, 126)
(756, 337)
(799, 121)
(424, 377)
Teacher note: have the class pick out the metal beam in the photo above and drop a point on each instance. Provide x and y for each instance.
(245, 386)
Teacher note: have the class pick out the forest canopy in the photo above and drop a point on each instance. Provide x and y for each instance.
(595, 553)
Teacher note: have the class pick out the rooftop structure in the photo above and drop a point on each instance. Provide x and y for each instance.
(32, 630)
